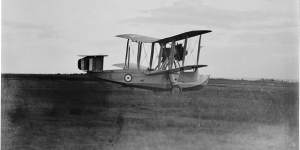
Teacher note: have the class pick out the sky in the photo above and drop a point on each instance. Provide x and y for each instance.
(249, 38)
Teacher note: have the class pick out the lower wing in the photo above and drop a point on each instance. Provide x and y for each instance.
(175, 69)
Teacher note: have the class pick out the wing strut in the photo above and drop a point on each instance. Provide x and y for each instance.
(171, 57)
(151, 57)
(199, 47)
(160, 55)
(139, 54)
(184, 51)
(126, 56)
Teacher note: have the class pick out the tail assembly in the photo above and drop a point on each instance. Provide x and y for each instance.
(91, 63)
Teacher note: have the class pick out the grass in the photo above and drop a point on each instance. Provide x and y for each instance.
(74, 113)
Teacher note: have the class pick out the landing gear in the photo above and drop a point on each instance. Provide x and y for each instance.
(176, 90)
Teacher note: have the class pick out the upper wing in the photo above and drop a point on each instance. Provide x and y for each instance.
(92, 55)
(183, 36)
(175, 70)
(138, 38)
(147, 39)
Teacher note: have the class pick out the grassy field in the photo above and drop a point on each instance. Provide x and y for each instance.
(74, 112)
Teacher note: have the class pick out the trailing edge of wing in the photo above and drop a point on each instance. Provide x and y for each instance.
(176, 69)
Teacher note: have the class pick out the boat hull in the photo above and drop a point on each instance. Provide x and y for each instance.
(133, 78)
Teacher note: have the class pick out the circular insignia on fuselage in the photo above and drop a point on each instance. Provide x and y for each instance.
(128, 77)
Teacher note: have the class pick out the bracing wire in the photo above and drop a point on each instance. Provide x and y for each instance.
(191, 47)
(146, 54)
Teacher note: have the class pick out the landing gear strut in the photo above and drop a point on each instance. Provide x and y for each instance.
(176, 90)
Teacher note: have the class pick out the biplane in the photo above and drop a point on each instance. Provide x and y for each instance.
(170, 63)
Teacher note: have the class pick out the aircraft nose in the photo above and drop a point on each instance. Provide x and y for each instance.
(203, 79)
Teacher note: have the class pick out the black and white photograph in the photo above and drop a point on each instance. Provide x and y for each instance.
(150, 74)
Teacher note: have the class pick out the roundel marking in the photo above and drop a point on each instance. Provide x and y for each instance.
(128, 77)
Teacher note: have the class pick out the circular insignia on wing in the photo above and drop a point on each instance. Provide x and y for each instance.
(128, 77)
